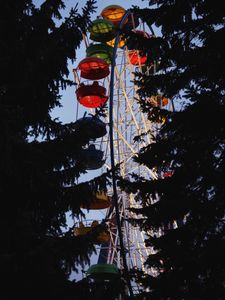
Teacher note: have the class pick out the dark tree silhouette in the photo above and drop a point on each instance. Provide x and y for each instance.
(189, 205)
(39, 157)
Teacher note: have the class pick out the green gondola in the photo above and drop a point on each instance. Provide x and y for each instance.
(101, 51)
(102, 30)
(103, 271)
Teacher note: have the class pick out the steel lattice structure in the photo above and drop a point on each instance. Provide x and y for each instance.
(127, 121)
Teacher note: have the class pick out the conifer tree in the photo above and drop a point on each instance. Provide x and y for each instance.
(39, 158)
(188, 207)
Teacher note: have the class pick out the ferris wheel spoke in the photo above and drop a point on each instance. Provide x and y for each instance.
(125, 141)
(148, 128)
(128, 122)
(126, 98)
(137, 248)
(134, 152)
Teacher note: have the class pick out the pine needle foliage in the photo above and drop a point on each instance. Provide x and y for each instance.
(187, 207)
(39, 156)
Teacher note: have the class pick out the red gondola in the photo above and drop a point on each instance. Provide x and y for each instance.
(136, 57)
(92, 95)
(93, 68)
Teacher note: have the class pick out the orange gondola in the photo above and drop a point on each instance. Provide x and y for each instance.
(91, 95)
(93, 68)
(113, 13)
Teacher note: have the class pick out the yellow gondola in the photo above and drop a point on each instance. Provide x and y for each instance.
(100, 201)
(103, 237)
(121, 43)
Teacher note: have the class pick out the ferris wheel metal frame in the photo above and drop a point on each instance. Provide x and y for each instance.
(126, 247)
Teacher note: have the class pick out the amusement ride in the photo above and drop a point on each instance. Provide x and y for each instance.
(105, 78)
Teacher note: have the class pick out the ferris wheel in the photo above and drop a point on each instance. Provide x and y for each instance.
(106, 77)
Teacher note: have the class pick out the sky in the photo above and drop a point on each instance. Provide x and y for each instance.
(67, 113)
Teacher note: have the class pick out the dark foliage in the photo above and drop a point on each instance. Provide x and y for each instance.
(38, 155)
(188, 206)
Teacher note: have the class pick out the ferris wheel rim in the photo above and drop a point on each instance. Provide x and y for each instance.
(112, 158)
(113, 125)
